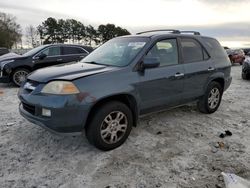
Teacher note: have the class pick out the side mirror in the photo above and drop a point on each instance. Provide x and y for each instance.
(41, 56)
(150, 62)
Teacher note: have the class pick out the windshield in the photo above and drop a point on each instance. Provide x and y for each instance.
(34, 51)
(117, 52)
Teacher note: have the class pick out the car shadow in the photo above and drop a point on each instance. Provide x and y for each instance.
(7, 85)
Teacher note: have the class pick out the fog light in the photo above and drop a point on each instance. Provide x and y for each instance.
(46, 112)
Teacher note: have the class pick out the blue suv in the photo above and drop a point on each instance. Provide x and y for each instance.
(104, 94)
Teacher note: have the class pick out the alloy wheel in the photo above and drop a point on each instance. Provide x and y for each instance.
(114, 127)
(20, 76)
(214, 98)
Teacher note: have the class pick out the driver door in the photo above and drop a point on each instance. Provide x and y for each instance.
(162, 86)
(53, 57)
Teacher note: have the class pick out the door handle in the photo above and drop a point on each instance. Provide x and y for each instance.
(59, 59)
(210, 69)
(177, 75)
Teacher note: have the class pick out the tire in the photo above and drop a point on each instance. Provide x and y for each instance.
(204, 106)
(244, 76)
(106, 119)
(19, 76)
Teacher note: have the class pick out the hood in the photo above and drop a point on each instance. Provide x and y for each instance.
(68, 72)
(9, 56)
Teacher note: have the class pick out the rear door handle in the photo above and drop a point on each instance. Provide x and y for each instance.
(178, 75)
(210, 69)
(59, 59)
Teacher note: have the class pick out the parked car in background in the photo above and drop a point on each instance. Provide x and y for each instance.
(3, 51)
(246, 69)
(236, 55)
(246, 51)
(126, 77)
(15, 68)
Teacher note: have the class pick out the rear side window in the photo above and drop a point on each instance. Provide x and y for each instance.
(192, 51)
(166, 51)
(73, 50)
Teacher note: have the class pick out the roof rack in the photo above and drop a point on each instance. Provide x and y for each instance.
(174, 31)
(194, 32)
(168, 30)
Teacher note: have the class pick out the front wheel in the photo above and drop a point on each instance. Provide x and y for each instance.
(245, 76)
(210, 102)
(110, 126)
(19, 76)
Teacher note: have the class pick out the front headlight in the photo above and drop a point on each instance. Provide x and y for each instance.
(60, 88)
(3, 63)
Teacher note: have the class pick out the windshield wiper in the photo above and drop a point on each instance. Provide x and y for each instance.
(93, 62)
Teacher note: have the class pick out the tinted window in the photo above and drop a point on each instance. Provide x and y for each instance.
(192, 50)
(34, 50)
(52, 51)
(166, 51)
(72, 50)
(215, 47)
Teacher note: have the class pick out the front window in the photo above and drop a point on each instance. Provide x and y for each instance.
(34, 50)
(117, 52)
(52, 51)
(166, 51)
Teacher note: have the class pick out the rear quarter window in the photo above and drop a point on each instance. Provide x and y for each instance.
(215, 48)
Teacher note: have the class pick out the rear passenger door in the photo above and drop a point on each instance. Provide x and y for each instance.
(197, 66)
(73, 53)
(162, 86)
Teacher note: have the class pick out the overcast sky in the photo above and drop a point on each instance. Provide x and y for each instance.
(227, 20)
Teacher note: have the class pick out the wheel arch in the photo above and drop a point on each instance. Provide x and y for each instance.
(220, 80)
(216, 78)
(21, 67)
(125, 98)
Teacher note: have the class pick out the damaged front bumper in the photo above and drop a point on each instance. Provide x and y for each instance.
(68, 114)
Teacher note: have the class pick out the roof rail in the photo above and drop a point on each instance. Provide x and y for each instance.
(174, 31)
(194, 32)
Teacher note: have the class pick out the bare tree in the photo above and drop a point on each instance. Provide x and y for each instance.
(10, 31)
(32, 36)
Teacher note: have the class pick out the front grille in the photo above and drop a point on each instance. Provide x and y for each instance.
(29, 108)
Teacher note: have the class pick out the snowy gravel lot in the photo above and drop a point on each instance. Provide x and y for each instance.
(172, 149)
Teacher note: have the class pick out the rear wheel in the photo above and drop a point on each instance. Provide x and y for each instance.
(19, 76)
(210, 102)
(110, 126)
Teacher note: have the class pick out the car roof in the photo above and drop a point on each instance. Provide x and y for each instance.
(88, 48)
(167, 33)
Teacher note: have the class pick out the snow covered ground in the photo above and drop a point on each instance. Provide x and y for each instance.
(175, 148)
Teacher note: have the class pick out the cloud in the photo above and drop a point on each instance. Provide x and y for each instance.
(27, 15)
(225, 2)
(227, 20)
